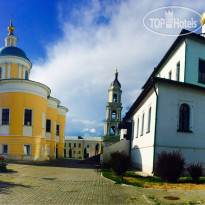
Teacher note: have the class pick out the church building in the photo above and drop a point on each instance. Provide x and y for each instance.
(169, 114)
(113, 115)
(31, 121)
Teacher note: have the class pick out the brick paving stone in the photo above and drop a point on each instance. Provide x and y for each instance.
(67, 182)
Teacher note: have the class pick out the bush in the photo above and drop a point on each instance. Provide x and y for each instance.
(195, 171)
(169, 166)
(120, 163)
(3, 164)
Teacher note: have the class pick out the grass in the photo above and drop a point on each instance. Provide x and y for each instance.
(131, 178)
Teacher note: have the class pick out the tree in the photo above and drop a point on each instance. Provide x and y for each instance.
(169, 166)
(120, 163)
(85, 153)
(70, 153)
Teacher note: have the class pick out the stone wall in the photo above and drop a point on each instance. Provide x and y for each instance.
(123, 145)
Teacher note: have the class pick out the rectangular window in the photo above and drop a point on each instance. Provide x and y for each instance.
(79, 152)
(79, 145)
(69, 144)
(149, 119)
(57, 130)
(178, 72)
(201, 71)
(64, 144)
(138, 127)
(88, 146)
(28, 117)
(170, 75)
(48, 125)
(27, 149)
(5, 116)
(142, 128)
(5, 149)
(74, 144)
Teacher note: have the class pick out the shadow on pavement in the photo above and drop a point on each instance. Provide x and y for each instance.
(67, 163)
(5, 186)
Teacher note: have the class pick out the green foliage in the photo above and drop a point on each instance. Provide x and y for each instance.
(120, 163)
(169, 166)
(3, 164)
(195, 171)
(70, 153)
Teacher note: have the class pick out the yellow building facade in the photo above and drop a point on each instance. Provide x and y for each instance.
(78, 147)
(31, 121)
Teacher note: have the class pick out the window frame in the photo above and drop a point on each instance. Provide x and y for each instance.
(50, 125)
(2, 116)
(5, 153)
(200, 77)
(149, 119)
(31, 123)
(0, 72)
(137, 131)
(28, 154)
(182, 126)
(178, 71)
(58, 130)
(142, 125)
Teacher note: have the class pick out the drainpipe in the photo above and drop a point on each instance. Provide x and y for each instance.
(155, 128)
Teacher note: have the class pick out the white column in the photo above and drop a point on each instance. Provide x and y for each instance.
(3, 70)
(8, 70)
(20, 71)
(24, 72)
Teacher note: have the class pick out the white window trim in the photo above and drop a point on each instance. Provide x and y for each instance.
(3, 153)
(191, 107)
(30, 150)
(2, 113)
(31, 116)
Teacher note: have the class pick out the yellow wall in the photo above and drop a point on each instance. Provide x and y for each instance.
(14, 70)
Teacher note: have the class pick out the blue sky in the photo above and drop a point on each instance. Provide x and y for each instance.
(75, 46)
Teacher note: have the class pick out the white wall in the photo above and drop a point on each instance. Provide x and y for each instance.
(168, 138)
(120, 146)
(142, 146)
(171, 64)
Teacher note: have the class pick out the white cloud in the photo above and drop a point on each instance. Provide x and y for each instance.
(80, 67)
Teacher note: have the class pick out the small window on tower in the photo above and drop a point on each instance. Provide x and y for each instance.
(113, 114)
(115, 98)
(112, 130)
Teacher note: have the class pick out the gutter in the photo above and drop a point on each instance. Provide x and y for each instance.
(155, 128)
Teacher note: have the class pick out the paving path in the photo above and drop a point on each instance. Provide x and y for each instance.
(68, 182)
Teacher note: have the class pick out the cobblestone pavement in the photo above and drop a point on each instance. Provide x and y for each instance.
(68, 182)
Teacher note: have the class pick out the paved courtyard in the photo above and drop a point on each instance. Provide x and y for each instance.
(68, 182)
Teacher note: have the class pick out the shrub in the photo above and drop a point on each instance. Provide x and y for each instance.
(169, 166)
(3, 163)
(120, 163)
(195, 171)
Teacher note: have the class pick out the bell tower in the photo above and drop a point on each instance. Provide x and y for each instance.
(114, 108)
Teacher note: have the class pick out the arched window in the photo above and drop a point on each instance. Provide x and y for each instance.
(184, 116)
(0, 72)
(113, 114)
(112, 130)
(115, 98)
(149, 120)
(26, 75)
